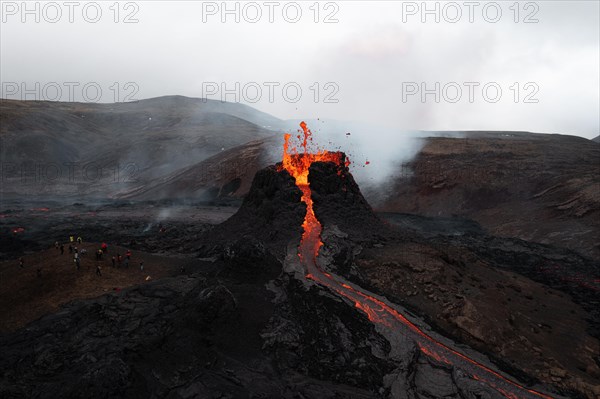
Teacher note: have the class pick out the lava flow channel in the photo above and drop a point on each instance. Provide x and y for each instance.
(297, 165)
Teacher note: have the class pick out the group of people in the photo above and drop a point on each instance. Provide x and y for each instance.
(117, 260)
(101, 251)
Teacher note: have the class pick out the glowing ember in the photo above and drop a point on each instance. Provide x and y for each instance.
(378, 312)
(18, 230)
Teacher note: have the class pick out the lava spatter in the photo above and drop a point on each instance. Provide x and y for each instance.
(297, 164)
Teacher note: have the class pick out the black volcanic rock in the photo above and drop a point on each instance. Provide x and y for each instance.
(179, 338)
(198, 337)
(338, 201)
(351, 352)
(214, 303)
(250, 258)
(192, 337)
(272, 213)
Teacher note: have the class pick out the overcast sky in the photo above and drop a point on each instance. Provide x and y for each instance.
(369, 63)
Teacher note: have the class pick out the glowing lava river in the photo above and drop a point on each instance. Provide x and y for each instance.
(389, 322)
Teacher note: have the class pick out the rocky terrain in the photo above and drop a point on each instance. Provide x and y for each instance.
(505, 297)
(196, 336)
(244, 321)
(473, 273)
(158, 227)
(541, 188)
(49, 279)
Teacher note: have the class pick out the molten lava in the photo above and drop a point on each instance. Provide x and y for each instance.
(297, 165)
(378, 312)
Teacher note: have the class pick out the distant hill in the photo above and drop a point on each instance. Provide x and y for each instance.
(596, 139)
(129, 141)
(228, 174)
